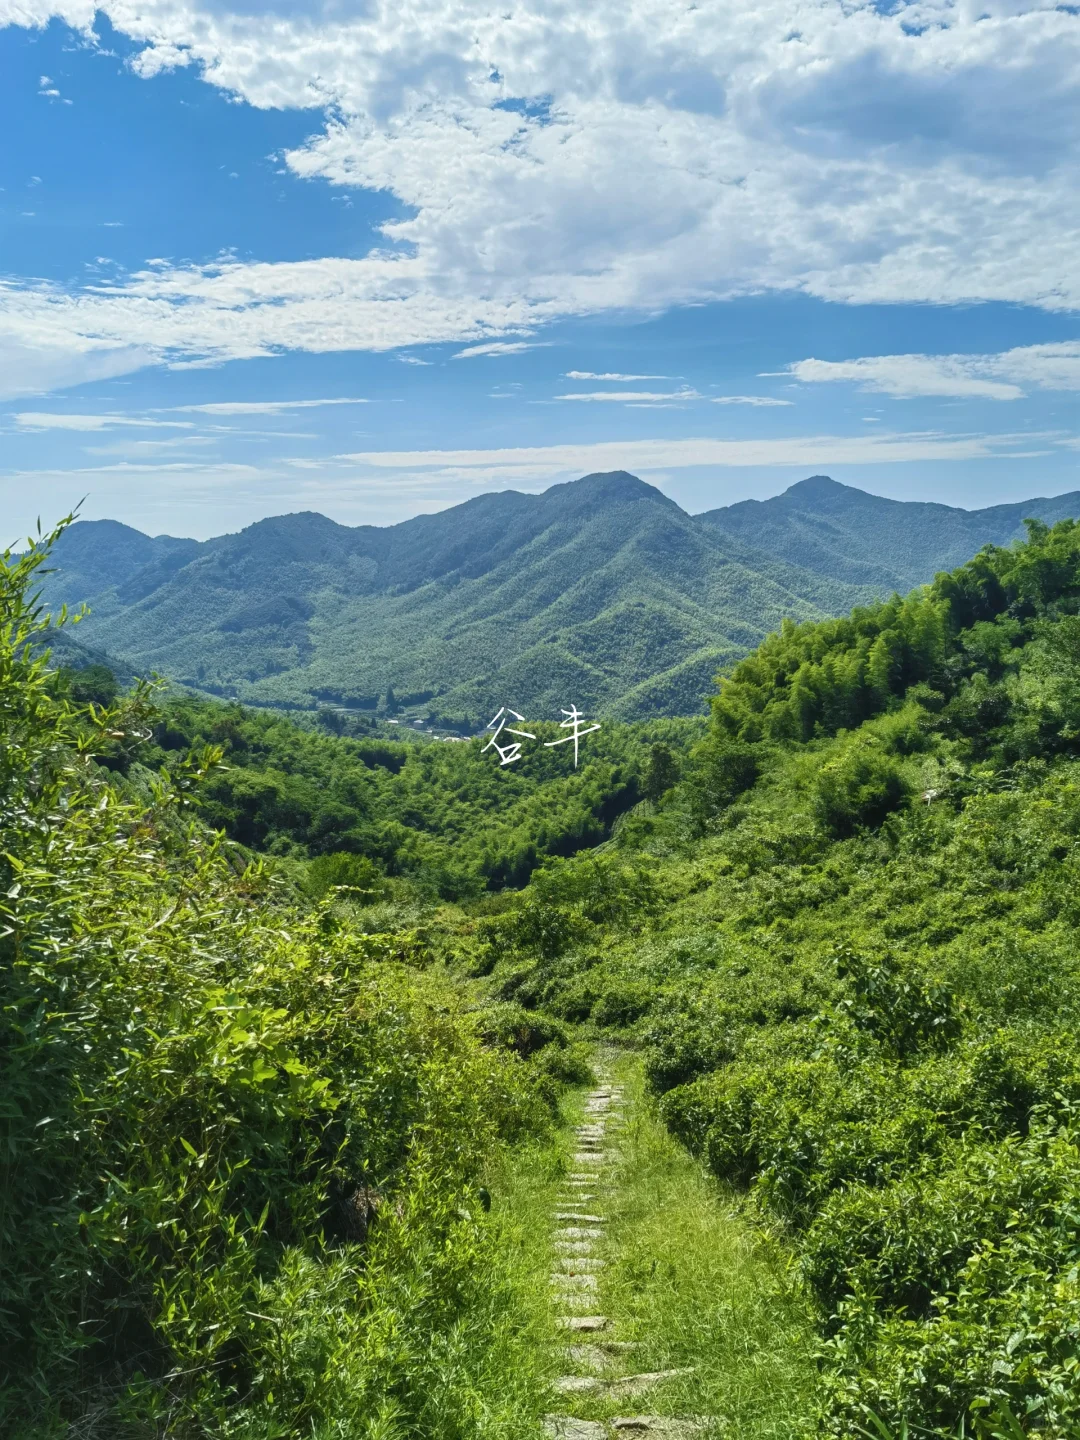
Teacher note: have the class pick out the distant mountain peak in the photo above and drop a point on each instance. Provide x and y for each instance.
(607, 486)
(818, 487)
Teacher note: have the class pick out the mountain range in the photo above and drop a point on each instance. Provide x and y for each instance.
(601, 592)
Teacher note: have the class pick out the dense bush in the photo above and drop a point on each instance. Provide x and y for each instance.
(447, 817)
(238, 1193)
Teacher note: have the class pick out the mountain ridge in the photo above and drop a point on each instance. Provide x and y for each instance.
(600, 590)
(800, 525)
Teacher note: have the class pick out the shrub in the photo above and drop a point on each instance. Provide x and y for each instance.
(858, 787)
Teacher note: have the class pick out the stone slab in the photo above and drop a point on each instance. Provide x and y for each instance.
(565, 1427)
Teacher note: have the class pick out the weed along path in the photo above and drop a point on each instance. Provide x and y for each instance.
(668, 1313)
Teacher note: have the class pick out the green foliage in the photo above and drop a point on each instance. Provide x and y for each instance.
(858, 787)
(860, 998)
(661, 772)
(242, 1142)
(94, 684)
(356, 874)
(446, 816)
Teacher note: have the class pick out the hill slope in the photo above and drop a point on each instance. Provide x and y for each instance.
(846, 534)
(602, 592)
(848, 949)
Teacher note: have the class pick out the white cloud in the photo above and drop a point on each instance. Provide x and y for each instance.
(262, 407)
(644, 456)
(758, 400)
(49, 420)
(623, 379)
(634, 397)
(412, 360)
(1003, 376)
(657, 154)
(498, 347)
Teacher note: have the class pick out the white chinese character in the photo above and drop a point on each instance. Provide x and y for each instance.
(507, 753)
(572, 722)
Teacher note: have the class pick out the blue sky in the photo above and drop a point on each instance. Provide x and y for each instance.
(374, 259)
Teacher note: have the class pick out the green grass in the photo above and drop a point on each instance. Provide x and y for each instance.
(692, 1279)
(516, 1358)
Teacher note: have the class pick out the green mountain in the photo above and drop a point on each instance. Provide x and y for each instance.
(601, 592)
(886, 545)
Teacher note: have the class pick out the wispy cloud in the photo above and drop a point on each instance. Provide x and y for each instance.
(800, 452)
(500, 347)
(1006, 375)
(50, 420)
(759, 400)
(262, 407)
(412, 360)
(621, 379)
(633, 397)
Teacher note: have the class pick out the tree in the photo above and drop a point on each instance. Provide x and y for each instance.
(661, 772)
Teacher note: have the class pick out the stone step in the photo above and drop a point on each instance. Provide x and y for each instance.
(576, 1283)
(565, 1427)
(580, 1264)
(622, 1385)
(638, 1384)
(574, 1247)
(590, 1357)
(580, 1217)
(584, 1324)
(579, 1232)
(578, 1384)
(674, 1427)
(670, 1427)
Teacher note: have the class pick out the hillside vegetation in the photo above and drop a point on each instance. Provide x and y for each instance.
(602, 593)
(243, 1137)
(853, 966)
(446, 818)
(251, 1101)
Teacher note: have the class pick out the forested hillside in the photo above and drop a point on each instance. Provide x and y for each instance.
(838, 923)
(448, 818)
(854, 971)
(867, 540)
(243, 1137)
(602, 593)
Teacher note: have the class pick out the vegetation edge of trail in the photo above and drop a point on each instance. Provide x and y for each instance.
(244, 1139)
(846, 940)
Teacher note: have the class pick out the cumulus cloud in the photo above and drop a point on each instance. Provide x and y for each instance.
(1007, 375)
(554, 161)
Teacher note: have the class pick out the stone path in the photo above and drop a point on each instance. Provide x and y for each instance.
(598, 1363)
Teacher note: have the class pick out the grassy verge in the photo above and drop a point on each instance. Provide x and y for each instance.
(511, 1351)
(691, 1280)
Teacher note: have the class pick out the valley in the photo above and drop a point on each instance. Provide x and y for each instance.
(299, 1025)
